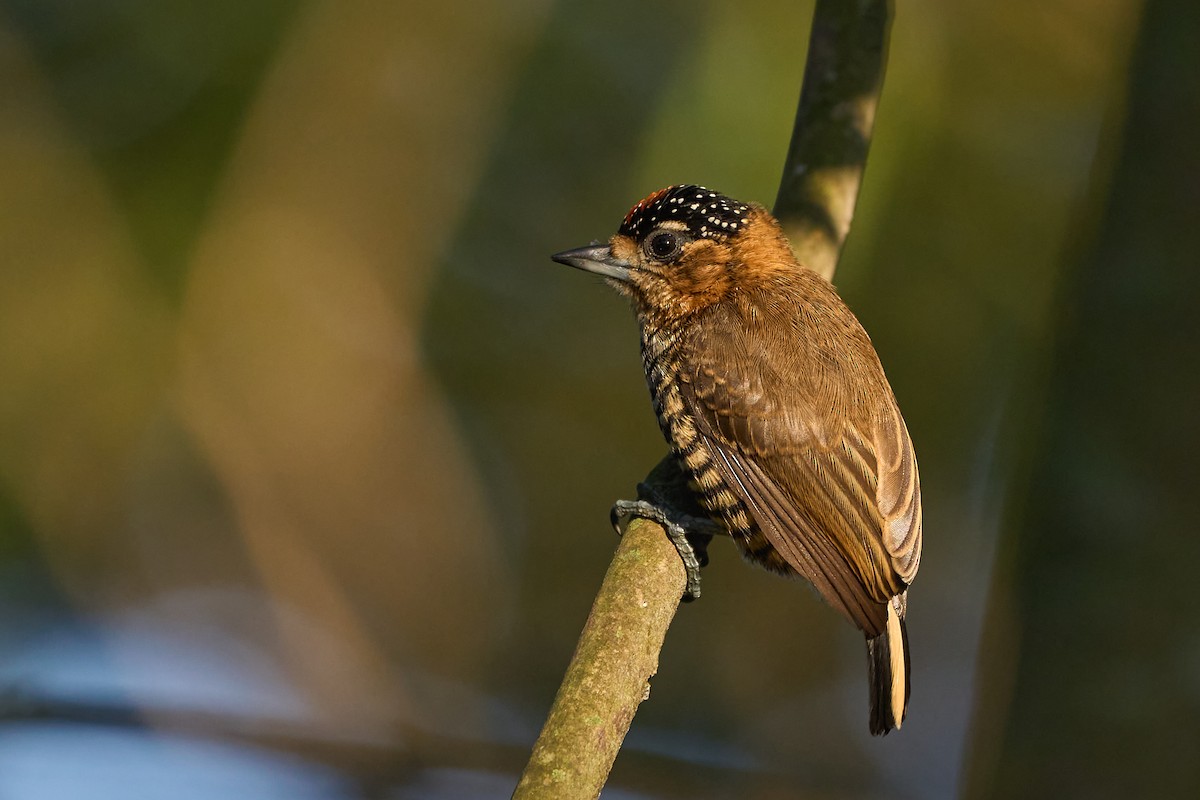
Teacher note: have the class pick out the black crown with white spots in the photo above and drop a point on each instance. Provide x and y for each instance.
(707, 214)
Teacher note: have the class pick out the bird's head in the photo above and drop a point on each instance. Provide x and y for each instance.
(684, 248)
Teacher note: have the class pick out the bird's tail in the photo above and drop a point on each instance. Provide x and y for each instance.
(887, 658)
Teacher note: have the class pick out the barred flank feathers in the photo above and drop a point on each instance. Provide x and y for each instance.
(888, 667)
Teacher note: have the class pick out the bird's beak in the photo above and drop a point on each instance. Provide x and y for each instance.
(598, 259)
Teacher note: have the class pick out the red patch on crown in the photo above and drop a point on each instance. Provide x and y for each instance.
(646, 202)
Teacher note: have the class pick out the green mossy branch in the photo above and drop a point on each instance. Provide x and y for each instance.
(609, 674)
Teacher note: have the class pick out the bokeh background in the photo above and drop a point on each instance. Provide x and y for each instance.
(307, 450)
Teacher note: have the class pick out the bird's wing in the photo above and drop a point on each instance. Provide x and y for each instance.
(835, 493)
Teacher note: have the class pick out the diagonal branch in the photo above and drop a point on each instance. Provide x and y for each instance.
(609, 675)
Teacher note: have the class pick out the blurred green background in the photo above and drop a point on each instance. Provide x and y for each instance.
(307, 450)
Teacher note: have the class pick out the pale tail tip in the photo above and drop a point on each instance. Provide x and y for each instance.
(889, 674)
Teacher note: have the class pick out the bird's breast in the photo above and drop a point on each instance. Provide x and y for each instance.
(662, 357)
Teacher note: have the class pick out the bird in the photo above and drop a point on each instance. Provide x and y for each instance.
(776, 407)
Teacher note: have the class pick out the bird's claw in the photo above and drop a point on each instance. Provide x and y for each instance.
(692, 547)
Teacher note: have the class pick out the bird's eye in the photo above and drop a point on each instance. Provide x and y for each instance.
(663, 246)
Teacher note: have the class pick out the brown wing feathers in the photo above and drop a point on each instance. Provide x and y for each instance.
(899, 494)
(842, 515)
(806, 547)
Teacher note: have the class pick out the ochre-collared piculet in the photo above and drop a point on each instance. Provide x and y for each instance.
(776, 407)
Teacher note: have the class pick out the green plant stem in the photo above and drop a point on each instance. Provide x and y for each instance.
(609, 675)
(847, 53)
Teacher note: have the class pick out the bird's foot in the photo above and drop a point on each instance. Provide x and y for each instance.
(689, 534)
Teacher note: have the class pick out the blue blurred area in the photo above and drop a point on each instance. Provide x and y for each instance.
(60, 761)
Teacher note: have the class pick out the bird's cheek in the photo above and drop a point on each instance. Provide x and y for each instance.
(645, 282)
(650, 291)
(703, 280)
